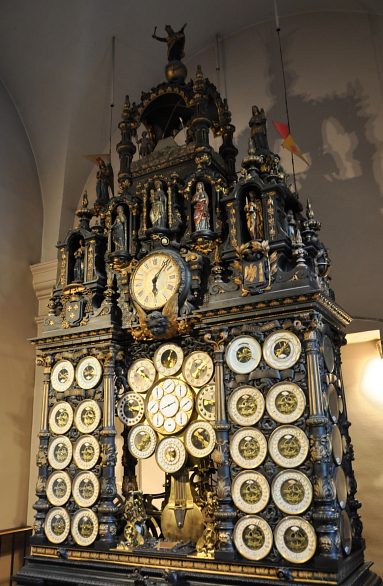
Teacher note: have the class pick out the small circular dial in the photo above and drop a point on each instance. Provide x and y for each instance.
(170, 454)
(57, 525)
(198, 369)
(281, 350)
(337, 445)
(58, 488)
(345, 532)
(130, 408)
(86, 489)
(86, 452)
(292, 492)
(253, 537)
(142, 441)
(246, 405)
(250, 491)
(61, 418)
(328, 353)
(341, 486)
(60, 452)
(200, 439)
(206, 402)
(168, 359)
(88, 372)
(84, 527)
(169, 405)
(62, 375)
(333, 402)
(155, 280)
(295, 539)
(248, 447)
(141, 375)
(87, 416)
(288, 446)
(285, 402)
(243, 354)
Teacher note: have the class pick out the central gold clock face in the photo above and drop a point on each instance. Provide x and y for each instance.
(156, 279)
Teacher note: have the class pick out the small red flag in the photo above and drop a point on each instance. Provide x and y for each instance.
(288, 141)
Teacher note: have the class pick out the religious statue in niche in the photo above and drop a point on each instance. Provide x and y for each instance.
(105, 181)
(258, 133)
(146, 144)
(175, 42)
(157, 206)
(254, 217)
(200, 201)
(78, 270)
(119, 231)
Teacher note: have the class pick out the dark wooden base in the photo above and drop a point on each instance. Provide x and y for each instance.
(48, 566)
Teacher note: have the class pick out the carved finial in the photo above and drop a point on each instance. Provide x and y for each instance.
(309, 210)
(199, 74)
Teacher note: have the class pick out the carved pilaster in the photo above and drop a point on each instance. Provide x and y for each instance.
(42, 506)
(224, 513)
(107, 509)
(325, 514)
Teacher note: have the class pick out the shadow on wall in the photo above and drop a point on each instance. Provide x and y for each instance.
(340, 180)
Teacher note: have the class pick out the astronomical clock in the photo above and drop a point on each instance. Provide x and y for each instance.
(192, 323)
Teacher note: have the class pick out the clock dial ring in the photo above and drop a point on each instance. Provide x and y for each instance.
(288, 446)
(57, 525)
(60, 452)
(86, 452)
(156, 278)
(206, 402)
(169, 406)
(281, 349)
(141, 375)
(142, 441)
(170, 454)
(200, 439)
(250, 491)
(58, 488)
(87, 416)
(198, 368)
(253, 537)
(246, 405)
(285, 402)
(248, 447)
(88, 372)
(84, 527)
(62, 375)
(131, 408)
(168, 359)
(243, 354)
(61, 418)
(295, 539)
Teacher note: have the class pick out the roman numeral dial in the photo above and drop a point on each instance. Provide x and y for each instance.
(156, 279)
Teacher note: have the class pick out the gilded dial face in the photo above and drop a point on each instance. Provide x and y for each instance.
(285, 402)
(86, 488)
(61, 418)
(292, 492)
(250, 491)
(58, 488)
(88, 372)
(200, 439)
(295, 539)
(253, 537)
(170, 454)
(130, 408)
(87, 416)
(246, 405)
(288, 446)
(141, 375)
(156, 279)
(86, 452)
(248, 447)
(206, 402)
(142, 441)
(168, 359)
(169, 406)
(84, 527)
(57, 525)
(198, 369)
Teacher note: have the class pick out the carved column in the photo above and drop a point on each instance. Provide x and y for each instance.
(325, 515)
(42, 506)
(225, 513)
(107, 509)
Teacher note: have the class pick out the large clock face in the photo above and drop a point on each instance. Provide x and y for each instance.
(169, 406)
(156, 279)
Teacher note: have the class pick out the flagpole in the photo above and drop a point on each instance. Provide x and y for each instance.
(112, 94)
(278, 29)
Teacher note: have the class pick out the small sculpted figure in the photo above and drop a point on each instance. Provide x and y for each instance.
(175, 42)
(119, 230)
(201, 208)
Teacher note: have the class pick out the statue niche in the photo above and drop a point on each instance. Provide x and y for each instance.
(76, 259)
(254, 216)
(201, 210)
(158, 206)
(118, 232)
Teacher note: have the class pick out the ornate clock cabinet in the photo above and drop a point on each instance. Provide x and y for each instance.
(192, 320)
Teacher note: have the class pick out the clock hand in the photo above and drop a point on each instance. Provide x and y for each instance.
(281, 349)
(155, 278)
(142, 372)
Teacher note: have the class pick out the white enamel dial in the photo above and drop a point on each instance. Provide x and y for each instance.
(62, 375)
(88, 372)
(169, 406)
(253, 537)
(155, 280)
(130, 408)
(206, 402)
(170, 454)
(295, 539)
(57, 525)
(281, 349)
(142, 441)
(243, 354)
